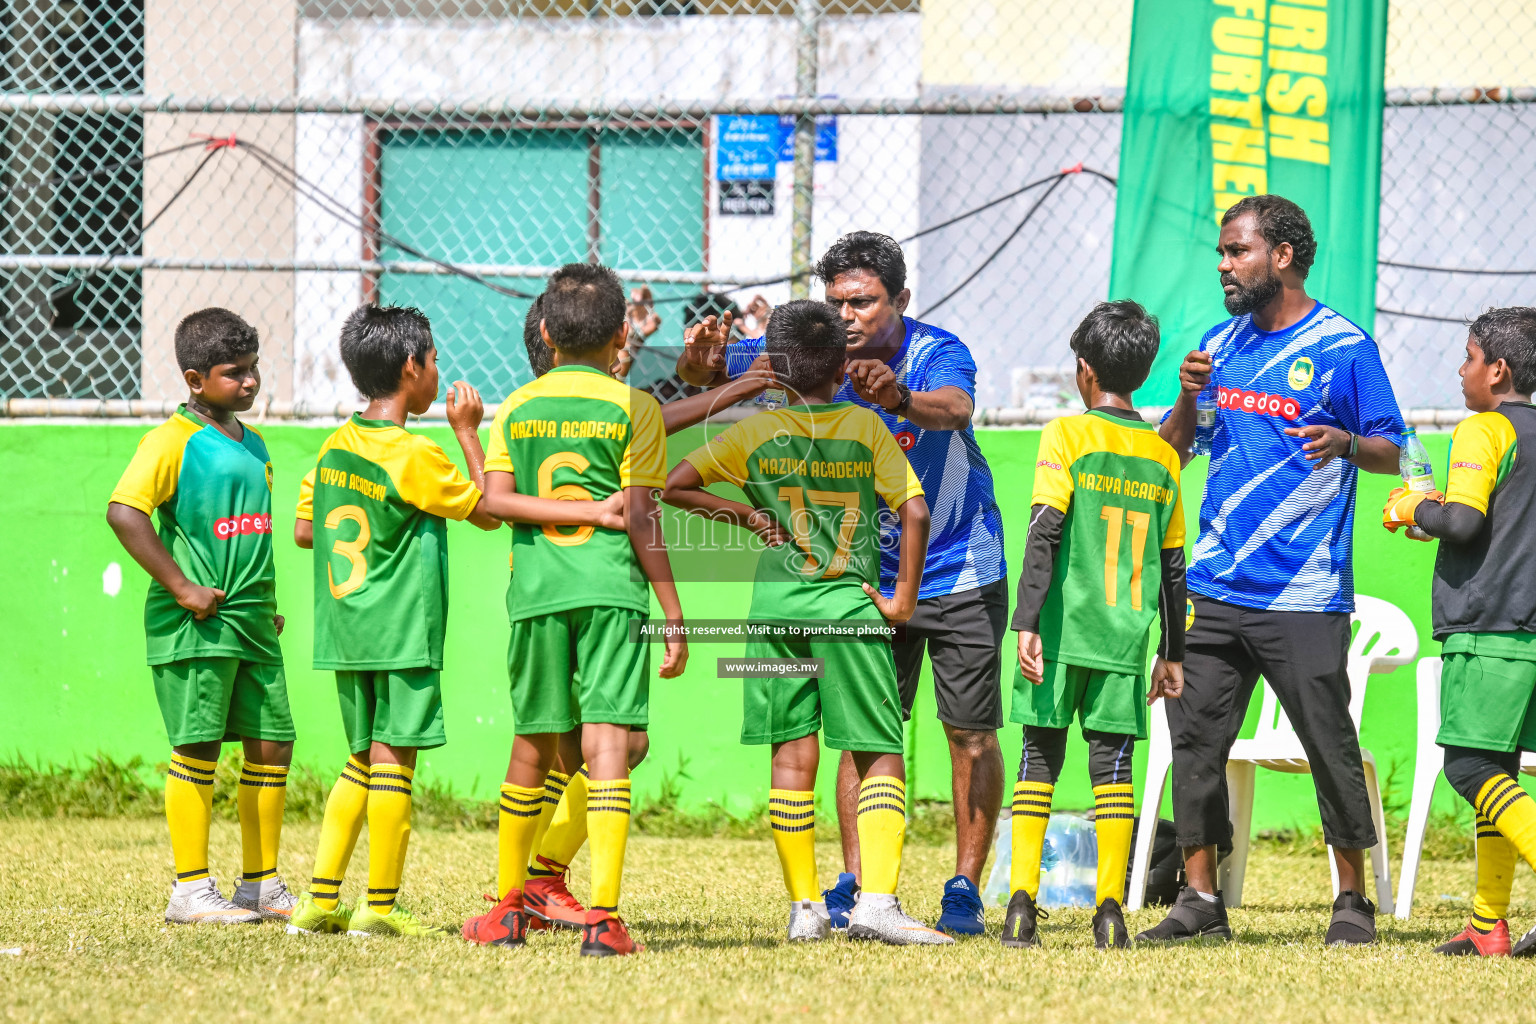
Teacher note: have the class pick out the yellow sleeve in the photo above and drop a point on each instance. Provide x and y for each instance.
(645, 457)
(721, 459)
(497, 458)
(1482, 451)
(1173, 537)
(306, 509)
(151, 477)
(430, 481)
(1053, 469)
(895, 479)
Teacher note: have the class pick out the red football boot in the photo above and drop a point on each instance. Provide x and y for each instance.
(1472, 942)
(505, 924)
(605, 935)
(549, 902)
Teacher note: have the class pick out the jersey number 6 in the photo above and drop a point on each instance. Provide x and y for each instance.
(565, 492)
(351, 550)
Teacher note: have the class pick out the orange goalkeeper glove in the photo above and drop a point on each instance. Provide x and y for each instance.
(1401, 505)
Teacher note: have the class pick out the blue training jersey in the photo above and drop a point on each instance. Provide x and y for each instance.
(965, 541)
(1274, 532)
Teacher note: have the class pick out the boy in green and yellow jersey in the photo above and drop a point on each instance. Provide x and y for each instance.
(1484, 611)
(818, 472)
(1104, 555)
(211, 615)
(578, 600)
(374, 509)
(562, 825)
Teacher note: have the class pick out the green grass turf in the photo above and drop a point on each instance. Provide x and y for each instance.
(82, 901)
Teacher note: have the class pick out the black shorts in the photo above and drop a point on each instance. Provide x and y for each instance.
(963, 634)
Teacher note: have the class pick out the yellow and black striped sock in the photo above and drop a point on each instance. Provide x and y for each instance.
(262, 793)
(188, 811)
(608, 828)
(521, 807)
(1114, 813)
(1495, 876)
(345, 811)
(792, 815)
(555, 784)
(882, 829)
(567, 829)
(1510, 810)
(389, 832)
(1031, 815)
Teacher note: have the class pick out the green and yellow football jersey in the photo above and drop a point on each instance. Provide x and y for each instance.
(822, 471)
(576, 434)
(378, 497)
(1117, 483)
(214, 498)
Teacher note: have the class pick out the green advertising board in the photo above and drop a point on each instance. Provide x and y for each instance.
(1231, 98)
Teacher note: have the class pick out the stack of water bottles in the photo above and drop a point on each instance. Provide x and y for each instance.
(1069, 863)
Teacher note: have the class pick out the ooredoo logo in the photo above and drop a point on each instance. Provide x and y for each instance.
(1257, 402)
(906, 440)
(1047, 464)
(236, 526)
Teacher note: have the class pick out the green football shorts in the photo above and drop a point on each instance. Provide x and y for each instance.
(576, 666)
(402, 707)
(855, 704)
(206, 699)
(1487, 702)
(1106, 701)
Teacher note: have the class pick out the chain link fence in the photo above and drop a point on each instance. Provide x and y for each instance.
(292, 159)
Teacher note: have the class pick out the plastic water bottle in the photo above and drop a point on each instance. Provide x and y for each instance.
(1206, 404)
(1069, 863)
(772, 398)
(1418, 473)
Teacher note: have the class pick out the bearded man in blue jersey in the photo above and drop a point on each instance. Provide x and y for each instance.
(921, 381)
(1304, 405)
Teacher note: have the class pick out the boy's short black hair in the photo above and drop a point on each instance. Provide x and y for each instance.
(377, 340)
(583, 307)
(541, 359)
(1118, 340)
(211, 337)
(866, 250)
(1510, 334)
(1279, 220)
(806, 342)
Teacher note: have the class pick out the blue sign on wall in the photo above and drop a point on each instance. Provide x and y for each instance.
(749, 146)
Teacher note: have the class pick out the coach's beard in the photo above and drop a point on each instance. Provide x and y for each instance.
(1246, 300)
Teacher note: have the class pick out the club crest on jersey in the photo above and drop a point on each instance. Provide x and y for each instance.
(1189, 615)
(1301, 373)
(236, 526)
(269, 476)
(906, 440)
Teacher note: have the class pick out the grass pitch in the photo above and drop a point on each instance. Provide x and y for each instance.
(82, 935)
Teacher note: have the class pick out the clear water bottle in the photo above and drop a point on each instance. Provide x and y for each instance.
(1206, 404)
(772, 398)
(1069, 863)
(1418, 474)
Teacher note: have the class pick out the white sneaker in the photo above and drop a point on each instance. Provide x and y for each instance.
(883, 919)
(809, 921)
(271, 899)
(202, 903)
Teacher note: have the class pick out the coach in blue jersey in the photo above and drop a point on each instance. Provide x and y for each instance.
(1304, 405)
(921, 381)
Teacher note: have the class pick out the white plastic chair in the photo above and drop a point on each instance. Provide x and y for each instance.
(1428, 759)
(1385, 640)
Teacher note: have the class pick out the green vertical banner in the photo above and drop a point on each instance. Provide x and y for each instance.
(1231, 98)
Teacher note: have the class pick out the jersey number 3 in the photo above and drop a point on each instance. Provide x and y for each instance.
(351, 550)
(1117, 518)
